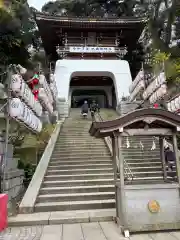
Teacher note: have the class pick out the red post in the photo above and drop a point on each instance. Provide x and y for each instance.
(3, 211)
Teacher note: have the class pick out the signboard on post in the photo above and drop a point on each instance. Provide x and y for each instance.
(92, 49)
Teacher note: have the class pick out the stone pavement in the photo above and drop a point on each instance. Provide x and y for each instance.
(83, 231)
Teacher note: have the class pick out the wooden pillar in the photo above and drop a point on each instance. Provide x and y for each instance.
(115, 169)
(161, 145)
(114, 154)
(121, 161)
(177, 156)
(121, 189)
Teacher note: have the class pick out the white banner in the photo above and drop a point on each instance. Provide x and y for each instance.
(92, 49)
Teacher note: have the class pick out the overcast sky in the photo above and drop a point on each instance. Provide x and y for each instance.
(37, 3)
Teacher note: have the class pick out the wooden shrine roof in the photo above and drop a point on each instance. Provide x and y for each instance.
(89, 22)
(154, 118)
(52, 28)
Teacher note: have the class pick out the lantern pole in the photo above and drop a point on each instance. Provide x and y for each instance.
(7, 127)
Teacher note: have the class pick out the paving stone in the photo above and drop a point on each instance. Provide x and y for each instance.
(53, 232)
(176, 234)
(162, 236)
(111, 231)
(72, 232)
(92, 231)
(68, 217)
(145, 236)
(10, 234)
(22, 233)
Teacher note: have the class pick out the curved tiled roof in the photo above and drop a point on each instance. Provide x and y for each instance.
(161, 115)
(112, 20)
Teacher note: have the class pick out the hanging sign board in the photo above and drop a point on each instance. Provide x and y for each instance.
(92, 49)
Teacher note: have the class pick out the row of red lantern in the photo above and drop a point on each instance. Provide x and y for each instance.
(39, 87)
(31, 78)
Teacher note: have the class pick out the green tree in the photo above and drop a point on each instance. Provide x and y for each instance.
(17, 32)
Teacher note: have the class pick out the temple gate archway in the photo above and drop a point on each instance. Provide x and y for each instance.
(66, 71)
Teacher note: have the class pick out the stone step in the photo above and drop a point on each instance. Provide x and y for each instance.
(85, 158)
(84, 147)
(136, 154)
(82, 162)
(75, 134)
(139, 150)
(61, 217)
(79, 141)
(78, 176)
(77, 144)
(75, 197)
(79, 125)
(78, 138)
(82, 182)
(81, 154)
(74, 205)
(85, 166)
(82, 150)
(77, 189)
(138, 157)
(144, 163)
(84, 144)
(72, 128)
(142, 160)
(145, 174)
(148, 178)
(78, 171)
(75, 131)
(136, 144)
(145, 168)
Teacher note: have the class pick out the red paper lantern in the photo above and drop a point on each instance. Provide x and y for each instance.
(156, 105)
(35, 93)
(35, 81)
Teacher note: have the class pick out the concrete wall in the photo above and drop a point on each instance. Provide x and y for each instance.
(136, 202)
(118, 70)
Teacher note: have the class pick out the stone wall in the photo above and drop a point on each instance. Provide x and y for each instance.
(14, 177)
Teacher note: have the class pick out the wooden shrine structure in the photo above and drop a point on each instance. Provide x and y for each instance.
(91, 38)
(151, 205)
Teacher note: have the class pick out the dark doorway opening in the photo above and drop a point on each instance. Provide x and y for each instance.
(79, 96)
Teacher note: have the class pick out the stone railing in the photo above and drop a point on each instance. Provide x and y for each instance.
(63, 108)
(29, 199)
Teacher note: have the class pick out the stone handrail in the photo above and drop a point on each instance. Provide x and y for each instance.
(29, 199)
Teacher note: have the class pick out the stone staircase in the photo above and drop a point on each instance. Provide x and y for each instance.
(80, 172)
